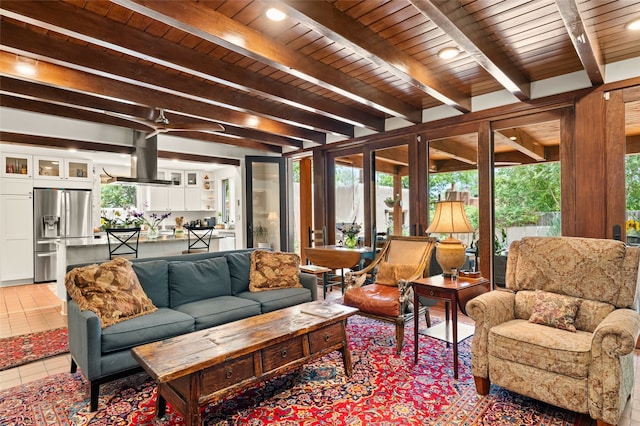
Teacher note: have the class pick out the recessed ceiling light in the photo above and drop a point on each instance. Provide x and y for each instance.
(448, 53)
(26, 66)
(275, 14)
(513, 138)
(634, 25)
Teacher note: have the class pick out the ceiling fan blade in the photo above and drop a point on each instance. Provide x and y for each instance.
(213, 127)
(142, 121)
(155, 133)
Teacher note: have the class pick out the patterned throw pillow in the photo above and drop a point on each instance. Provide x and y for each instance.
(273, 270)
(555, 310)
(390, 273)
(111, 290)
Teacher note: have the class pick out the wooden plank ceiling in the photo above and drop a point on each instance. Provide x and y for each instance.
(280, 86)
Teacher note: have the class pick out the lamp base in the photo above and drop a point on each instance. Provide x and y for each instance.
(450, 254)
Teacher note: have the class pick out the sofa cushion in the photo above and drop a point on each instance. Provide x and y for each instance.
(154, 278)
(542, 347)
(270, 270)
(555, 310)
(219, 310)
(111, 290)
(278, 299)
(239, 266)
(202, 279)
(374, 299)
(391, 273)
(162, 324)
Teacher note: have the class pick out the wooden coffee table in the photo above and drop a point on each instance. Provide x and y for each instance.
(202, 367)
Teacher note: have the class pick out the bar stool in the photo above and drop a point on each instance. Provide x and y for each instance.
(198, 238)
(123, 242)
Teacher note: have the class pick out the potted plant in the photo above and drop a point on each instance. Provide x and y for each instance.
(261, 235)
(391, 202)
(500, 259)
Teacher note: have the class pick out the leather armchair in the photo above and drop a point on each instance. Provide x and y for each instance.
(391, 302)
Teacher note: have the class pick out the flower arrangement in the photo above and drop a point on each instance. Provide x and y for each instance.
(633, 226)
(350, 231)
(116, 219)
(152, 222)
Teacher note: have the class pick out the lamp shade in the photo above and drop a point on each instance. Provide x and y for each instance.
(449, 218)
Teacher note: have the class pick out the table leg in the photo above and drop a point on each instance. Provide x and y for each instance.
(416, 318)
(161, 404)
(454, 326)
(346, 353)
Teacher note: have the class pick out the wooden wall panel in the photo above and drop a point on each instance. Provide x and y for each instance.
(615, 148)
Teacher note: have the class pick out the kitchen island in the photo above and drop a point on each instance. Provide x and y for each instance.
(95, 250)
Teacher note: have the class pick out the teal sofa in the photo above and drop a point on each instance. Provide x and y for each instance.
(192, 292)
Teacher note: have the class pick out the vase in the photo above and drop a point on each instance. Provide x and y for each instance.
(152, 233)
(350, 241)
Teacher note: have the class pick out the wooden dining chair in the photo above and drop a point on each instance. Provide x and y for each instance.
(198, 239)
(389, 298)
(328, 278)
(123, 242)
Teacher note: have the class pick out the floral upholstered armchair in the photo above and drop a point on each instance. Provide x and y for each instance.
(565, 329)
(389, 297)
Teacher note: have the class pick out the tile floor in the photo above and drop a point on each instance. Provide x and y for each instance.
(34, 307)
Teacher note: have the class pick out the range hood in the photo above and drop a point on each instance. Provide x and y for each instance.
(144, 163)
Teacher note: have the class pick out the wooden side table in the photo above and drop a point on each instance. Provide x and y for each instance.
(455, 293)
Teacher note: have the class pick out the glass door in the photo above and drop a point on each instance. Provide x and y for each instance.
(265, 203)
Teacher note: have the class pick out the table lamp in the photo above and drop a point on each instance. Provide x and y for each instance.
(449, 219)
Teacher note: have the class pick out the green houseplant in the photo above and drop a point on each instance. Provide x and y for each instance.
(261, 236)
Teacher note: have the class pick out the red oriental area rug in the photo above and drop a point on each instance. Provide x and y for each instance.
(20, 350)
(384, 389)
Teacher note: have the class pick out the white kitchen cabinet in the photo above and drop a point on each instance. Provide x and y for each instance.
(158, 198)
(16, 234)
(192, 179)
(75, 172)
(176, 198)
(17, 165)
(16, 186)
(192, 199)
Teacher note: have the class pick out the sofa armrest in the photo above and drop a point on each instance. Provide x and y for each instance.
(310, 282)
(84, 340)
(487, 310)
(617, 334)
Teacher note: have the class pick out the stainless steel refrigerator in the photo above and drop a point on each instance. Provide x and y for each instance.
(57, 214)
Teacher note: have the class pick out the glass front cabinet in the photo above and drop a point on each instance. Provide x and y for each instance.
(62, 168)
(17, 165)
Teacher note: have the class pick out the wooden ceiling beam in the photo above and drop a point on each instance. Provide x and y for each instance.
(80, 24)
(455, 151)
(58, 98)
(336, 25)
(584, 41)
(451, 17)
(65, 143)
(201, 21)
(27, 103)
(521, 141)
(23, 41)
(81, 82)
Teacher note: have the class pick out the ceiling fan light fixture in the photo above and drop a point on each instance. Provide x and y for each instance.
(448, 53)
(275, 14)
(634, 25)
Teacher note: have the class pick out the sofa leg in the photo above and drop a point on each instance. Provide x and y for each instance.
(74, 366)
(94, 392)
(483, 385)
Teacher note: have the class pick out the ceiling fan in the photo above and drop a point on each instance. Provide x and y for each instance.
(161, 124)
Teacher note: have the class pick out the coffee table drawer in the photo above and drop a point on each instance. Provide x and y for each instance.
(326, 337)
(282, 353)
(227, 374)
